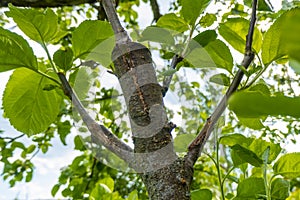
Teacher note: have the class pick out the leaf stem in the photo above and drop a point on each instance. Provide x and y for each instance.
(47, 76)
(49, 57)
(268, 192)
(219, 171)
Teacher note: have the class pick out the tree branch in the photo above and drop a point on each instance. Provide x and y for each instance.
(155, 10)
(167, 79)
(44, 4)
(195, 148)
(100, 134)
(120, 33)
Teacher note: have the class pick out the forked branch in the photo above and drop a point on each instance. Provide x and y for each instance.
(100, 134)
(195, 148)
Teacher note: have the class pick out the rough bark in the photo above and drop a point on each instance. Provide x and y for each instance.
(163, 173)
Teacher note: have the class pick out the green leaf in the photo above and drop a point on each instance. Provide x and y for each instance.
(66, 192)
(82, 80)
(55, 189)
(202, 194)
(173, 22)
(295, 195)
(252, 104)
(221, 79)
(133, 195)
(288, 165)
(290, 36)
(30, 149)
(295, 65)
(17, 144)
(282, 38)
(169, 72)
(181, 142)
(273, 46)
(157, 34)
(254, 123)
(250, 189)
(28, 176)
(261, 87)
(206, 37)
(79, 144)
(235, 30)
(198, 56)
(94, 45)
(263, 5)
(40, 26)
(191, 9)
(29, 108)
(258, 146)
(63, 58)
(108, 182)
(247, 155)
(12, 46)
(237, 160)
(280, 189)
(207, 20)
(63, 129)
(220, 54)
(233, 139)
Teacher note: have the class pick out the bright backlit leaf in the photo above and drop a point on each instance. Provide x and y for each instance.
(282, 38)
(157, 34)
(133, 195)
(280, 189)
(12, 46)
(295, 65)
(205, 37)
(273, 46)
(63, 58)
(181, 142)
(191, 9)
(263, 5)
(291, 31)
(288, 165)
(29, 107)
(221, 79)
(40, 26)
(258, 146)
(202, 194)
(92, 40)
(250, 189)
(220, 54)
(235, 30)
(109, 182)
(247, 155)
(254, 123)
(249, 149)
(173, 22)
(248, 104)
(233, 139)
(207, 20)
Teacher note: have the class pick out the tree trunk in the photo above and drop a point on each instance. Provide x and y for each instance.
(161, 170)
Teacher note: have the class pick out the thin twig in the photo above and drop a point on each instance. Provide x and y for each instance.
(12, 139)
(120, 33)
(167, 79)
(195, 148)
(100, 134)
(155, 10)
